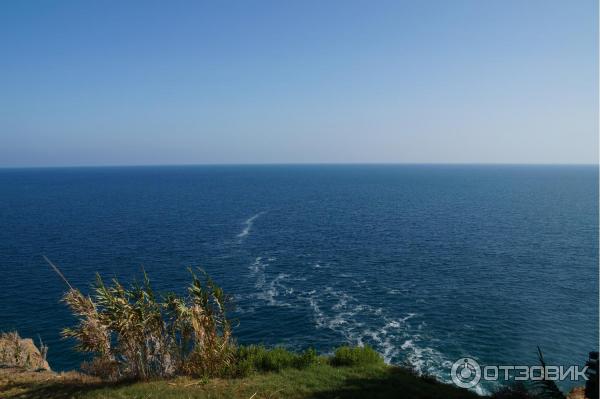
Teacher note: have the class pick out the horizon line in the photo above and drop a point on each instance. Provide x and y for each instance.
(299, 164)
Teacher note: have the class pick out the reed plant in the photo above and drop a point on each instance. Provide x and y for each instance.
(134, 333)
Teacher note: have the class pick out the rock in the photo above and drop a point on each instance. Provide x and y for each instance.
(17, 352)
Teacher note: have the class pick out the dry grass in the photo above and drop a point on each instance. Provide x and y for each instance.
(136, 334)
(320, 381)
(17, 382)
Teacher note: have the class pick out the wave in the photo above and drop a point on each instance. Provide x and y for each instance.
(344, 314)
(268, 290)
(398, 338)
(248, 224)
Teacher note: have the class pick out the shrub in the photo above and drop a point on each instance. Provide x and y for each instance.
(307, 358)
(355, 356)
(137, 335)
(255, 358)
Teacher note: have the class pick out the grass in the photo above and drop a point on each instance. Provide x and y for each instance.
(319, 380)
(251, 359)
(354, 356)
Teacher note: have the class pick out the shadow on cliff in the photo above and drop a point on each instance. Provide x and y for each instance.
(396, 383)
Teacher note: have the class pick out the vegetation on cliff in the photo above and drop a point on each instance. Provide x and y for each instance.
(320, 381)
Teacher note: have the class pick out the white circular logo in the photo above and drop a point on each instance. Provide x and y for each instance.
(466, 372)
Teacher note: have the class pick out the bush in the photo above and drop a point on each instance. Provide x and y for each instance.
(355, 356)
(307, 358)
(255, 358)
(136, 334)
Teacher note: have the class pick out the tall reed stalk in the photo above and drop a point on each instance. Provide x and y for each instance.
(134, 333)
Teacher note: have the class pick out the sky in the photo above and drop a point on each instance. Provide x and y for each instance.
(233, 82)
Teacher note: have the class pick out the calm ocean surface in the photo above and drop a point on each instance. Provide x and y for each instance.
(425, 263)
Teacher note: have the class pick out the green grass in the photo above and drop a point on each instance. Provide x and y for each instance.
(319, 380)
(355, 356)
(251, 359)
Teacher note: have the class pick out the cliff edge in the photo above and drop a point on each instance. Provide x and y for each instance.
(21, 353)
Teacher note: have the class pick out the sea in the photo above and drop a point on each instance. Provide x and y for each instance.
(425, 263)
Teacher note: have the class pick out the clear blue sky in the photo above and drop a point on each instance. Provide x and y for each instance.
(171, 82)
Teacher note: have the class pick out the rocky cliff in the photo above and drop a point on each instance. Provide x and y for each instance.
(17, 352)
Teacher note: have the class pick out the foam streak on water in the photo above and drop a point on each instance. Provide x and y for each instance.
(248, 224)
(395, 338)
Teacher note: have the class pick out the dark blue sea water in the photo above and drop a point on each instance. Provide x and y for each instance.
(425, 263)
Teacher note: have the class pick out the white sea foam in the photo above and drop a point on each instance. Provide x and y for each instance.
(425, 360)
(273, 289)
(397, 337)
(269, 289)
(409, 316)
(248, 224)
